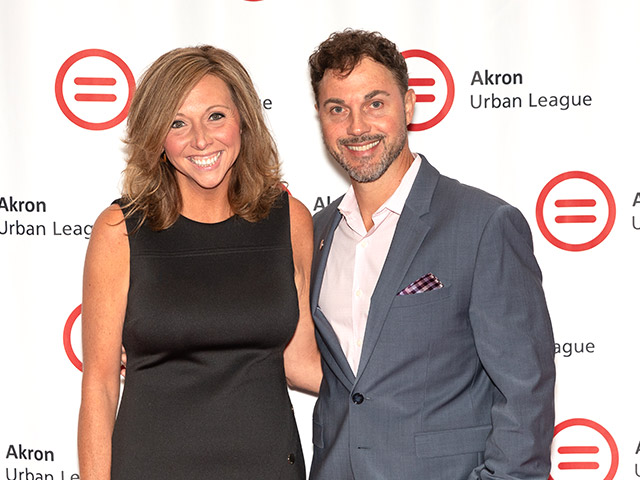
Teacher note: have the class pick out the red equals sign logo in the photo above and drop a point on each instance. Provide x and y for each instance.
(427, 70)
(584, 450)
(575, 211)
(94, 89)
(423, 82)
(573, 203)
(95, 97)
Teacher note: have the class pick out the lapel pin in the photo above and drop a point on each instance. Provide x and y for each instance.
(321, 244)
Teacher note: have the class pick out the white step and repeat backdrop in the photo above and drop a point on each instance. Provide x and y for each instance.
(535, 101)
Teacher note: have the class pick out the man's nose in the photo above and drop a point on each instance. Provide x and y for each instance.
(358, 124)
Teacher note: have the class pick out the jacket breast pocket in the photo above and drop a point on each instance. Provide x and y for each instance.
(423, 298)
(458, 441)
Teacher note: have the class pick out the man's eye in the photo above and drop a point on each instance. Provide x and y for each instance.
(336, 110)
(376, 104)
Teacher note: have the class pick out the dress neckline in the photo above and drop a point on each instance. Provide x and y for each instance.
(196, 222)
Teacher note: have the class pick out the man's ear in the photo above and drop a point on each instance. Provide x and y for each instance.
(409, 105)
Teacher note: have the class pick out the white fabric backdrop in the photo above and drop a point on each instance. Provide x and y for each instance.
(577, 48)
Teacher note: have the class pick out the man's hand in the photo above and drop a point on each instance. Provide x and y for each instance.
(123, 361)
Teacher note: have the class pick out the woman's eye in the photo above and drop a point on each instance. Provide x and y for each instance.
(177, 124)
(216, 116)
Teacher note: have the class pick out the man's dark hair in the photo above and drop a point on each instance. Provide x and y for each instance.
(343, 51)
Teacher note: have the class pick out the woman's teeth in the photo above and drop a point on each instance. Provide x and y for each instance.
(205, 161)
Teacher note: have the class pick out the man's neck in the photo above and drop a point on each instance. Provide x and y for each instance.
(370, 196)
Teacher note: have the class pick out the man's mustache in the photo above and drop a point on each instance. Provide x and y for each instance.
(360, 139)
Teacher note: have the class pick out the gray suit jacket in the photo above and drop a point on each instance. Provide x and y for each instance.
(455, 383)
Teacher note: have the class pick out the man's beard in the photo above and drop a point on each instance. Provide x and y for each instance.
(366, 172)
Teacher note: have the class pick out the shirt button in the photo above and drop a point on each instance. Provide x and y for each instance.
(357, 398)
(358, 293)
(291, 459)
(359, 342)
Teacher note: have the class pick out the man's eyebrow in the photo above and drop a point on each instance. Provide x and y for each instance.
(368, 96)
(333, 100)
(375, 93)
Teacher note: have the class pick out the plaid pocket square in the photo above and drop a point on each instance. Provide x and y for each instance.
(423, 284)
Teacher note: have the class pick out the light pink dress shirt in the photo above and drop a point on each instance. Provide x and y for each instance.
(355, 262)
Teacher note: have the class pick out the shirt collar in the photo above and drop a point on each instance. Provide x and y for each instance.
(350, 210)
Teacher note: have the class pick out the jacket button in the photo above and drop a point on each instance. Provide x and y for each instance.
(357, 398)
(291, 459)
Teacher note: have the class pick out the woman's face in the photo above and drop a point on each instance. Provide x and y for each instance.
(204, 140)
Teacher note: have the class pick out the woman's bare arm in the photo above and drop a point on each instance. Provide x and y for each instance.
(104, 299)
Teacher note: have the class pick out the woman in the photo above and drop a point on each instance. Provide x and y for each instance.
(201, 271)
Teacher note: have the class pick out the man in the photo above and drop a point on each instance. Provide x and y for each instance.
(430, 315)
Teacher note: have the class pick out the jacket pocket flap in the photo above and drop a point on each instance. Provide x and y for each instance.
(452, 442)
(317, 438)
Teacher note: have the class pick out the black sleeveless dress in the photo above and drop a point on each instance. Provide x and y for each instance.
(210, 310)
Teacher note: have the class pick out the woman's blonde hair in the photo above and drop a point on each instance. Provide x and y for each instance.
(150, 188)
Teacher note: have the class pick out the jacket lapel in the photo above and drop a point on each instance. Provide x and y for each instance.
(413, 227)
(330, 347)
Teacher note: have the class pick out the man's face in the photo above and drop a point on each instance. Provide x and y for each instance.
(364, 119)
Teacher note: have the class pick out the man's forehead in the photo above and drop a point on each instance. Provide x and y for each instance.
(337, 88)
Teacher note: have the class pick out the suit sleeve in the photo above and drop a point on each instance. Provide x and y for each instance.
(514, 341)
